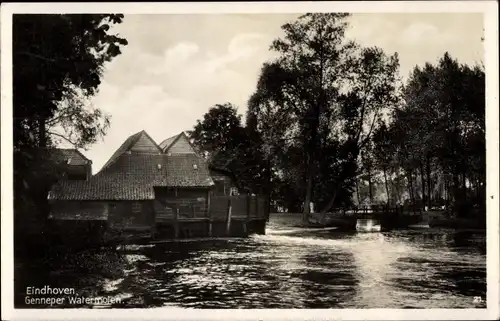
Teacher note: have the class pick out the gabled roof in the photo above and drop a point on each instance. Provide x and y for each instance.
(167, 144)
(134, 176)
(69, 156)
(127, 144)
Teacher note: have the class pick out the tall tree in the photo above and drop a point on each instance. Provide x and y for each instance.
(220, 130)
(227, 144)
(383, 154)
(443, 116)
(272, 122)
(333, 88)
(313, 50)
(58, 60)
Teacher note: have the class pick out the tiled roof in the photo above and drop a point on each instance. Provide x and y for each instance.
(57, 155)
(112, 187)
(181, 171)
(143, 166)
(69, 156)
(133, 176)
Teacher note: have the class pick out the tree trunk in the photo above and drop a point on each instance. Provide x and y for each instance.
(307, 209)
(328, 207)
(447, 184)
(386, 185)
(456, 187)
(357, 192)
(398, 192)
(309, 184)
(42, 132)
(310, 164)
(429, 183)
(269, 189)
(464, 185)
(370, 187)
(412, 192)
(478, 186)
(423, 184)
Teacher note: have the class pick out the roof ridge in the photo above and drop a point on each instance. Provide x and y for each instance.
(166, 139)
(183, 133)
(132, 139)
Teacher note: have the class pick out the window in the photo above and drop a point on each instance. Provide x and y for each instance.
(233, 191)
(136, 207)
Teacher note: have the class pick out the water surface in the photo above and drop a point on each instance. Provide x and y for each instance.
(286, 268)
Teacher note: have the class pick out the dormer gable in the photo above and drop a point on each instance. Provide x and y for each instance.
(144, 144)
(140, 143)
(179, 144)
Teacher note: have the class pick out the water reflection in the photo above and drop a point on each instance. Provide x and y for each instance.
(288, 268)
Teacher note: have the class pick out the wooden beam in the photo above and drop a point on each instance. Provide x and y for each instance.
(245, 223)
(209, 214)
(229, 210)
(176, 222)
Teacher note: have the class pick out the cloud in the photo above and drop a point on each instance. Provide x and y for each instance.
(423, 33)
(176, 67)
(188, 72)
(166, 93)
(141, 107)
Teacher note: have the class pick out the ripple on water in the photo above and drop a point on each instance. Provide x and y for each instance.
(288, 270)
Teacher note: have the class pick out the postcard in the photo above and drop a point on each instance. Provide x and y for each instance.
(250, 160)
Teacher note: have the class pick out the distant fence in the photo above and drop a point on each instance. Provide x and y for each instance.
(239, 206)
(377, 210)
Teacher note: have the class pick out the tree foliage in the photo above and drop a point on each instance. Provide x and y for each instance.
(329, 116)
(441, 126)
(327, 93)
(58, 60)
(228, 145)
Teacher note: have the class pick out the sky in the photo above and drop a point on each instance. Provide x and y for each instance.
(176, 67)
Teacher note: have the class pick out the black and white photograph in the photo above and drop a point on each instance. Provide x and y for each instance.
(318, 160)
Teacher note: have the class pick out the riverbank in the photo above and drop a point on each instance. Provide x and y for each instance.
(430, 219)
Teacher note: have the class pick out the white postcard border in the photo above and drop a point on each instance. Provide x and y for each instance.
(490, 10)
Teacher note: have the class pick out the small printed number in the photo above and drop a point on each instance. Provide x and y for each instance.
(477, 299)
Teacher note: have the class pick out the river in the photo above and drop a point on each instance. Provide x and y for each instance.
(286, 268)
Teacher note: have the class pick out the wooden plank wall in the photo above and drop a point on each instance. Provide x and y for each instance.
(219, 207)
(144, 145)
(181, 146)
(241, 206)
